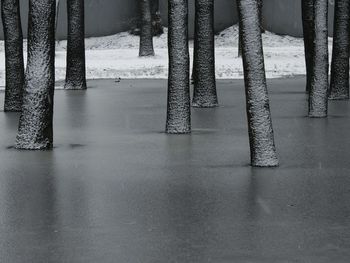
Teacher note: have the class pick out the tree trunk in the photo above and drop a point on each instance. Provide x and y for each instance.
(35, 125)
(318, 99)
(178, 109)
(308, 29)
(260, 7)
(14, 63)
(204, 95)
(146, 37)
(339, 88)
(261, 138)
(157, 27)
(239, 42)
(76, 67)
(57, 13)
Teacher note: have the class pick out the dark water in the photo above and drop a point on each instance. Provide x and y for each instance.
(117, 189)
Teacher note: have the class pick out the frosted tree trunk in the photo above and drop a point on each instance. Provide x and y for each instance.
(318, 98)
(178, 108)
(76, 67)
(339, 88)
(308, 29)
(14, 63)
(157, 26)
(35, 125)
(204, 94)
(261, 138)
(260, 7)
(146, 36)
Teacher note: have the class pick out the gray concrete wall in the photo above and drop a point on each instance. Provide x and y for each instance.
(105, 17)
(280, 16)
(225, 14)
(284, 17)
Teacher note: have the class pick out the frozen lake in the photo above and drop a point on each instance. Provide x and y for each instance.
(116, 188)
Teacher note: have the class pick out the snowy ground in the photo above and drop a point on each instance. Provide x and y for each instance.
(117, 57)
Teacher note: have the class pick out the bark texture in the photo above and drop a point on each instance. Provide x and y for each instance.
(261, 137)
(178, 108)
(204, 94)
(339, 88)
(35, 125)
(239, 42)
(260, 8)
(146, 36)
(76, 67)
(307, 7)
(14, 63)
(318, 98)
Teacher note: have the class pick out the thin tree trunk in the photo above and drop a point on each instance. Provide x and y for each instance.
(194, 58)
(339, 88)
(157, 26)
(239, 42)
(204, 94)
(261, 138)
(146, 36)
(11, 19)
(318, 99)
(76, 67)
(35, 125)
(178, 109)
(57, 13)
(260, 6)
(308, 29)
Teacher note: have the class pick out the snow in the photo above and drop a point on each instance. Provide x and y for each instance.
(116, 56)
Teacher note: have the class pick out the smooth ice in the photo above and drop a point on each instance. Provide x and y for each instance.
(116, 188)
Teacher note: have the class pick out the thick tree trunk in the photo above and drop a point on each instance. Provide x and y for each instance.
(178, 109)
(76, 67)
(261, 138)
(157, 26)
(35, 125)
(14, 63)
(339, 88)
(318, 99)
(260, 7)
(146, 36)
(308, 29)
(204, 94)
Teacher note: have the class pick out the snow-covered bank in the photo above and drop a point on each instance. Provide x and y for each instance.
(117, 57)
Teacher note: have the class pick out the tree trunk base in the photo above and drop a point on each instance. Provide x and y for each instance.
(338, 97)
(175, 130)
(264, 162)
(70, 86)
(26, 144)
(317, 115)
(146, 53)
(204, 104)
